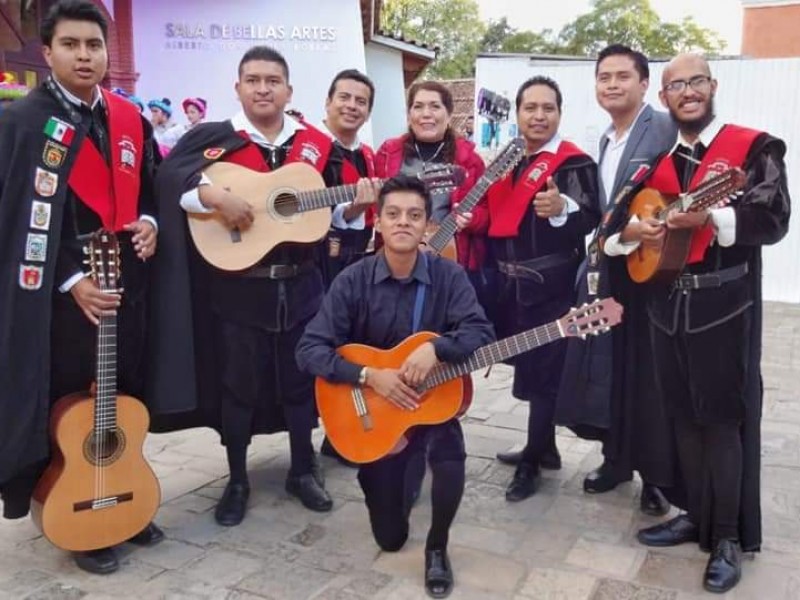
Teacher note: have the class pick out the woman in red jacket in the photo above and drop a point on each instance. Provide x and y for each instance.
(431, 139)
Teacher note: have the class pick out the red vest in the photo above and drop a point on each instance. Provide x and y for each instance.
(351, 175)
(112, 192)
(508, 202)
(729, 149)
(310, 145)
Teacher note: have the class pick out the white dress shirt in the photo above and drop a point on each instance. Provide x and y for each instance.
(190, 201)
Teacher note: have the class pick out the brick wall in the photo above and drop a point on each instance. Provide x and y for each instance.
(771, 31)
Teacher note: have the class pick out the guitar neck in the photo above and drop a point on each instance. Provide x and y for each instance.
(105, 413)
(325, 198)
(707, 194)
(494, 353)
(447, 228)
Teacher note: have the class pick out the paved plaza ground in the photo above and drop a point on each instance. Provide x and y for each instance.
(559, 545)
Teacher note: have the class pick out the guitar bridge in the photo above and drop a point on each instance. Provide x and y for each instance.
(362, 411)
(100, 503)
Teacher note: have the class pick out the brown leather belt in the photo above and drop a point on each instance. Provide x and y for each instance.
(279, 271)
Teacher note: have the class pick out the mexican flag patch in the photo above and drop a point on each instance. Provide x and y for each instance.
(59, 131)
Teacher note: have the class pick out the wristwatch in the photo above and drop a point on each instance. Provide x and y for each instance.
(362, 376)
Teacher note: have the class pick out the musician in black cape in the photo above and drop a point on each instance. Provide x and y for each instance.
(707, 324)
(55, 145)
(223, 343)
(538, 217)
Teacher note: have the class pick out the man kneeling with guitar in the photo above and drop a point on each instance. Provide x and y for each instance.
(380, 301)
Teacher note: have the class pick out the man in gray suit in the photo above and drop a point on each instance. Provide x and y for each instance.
(607, 391)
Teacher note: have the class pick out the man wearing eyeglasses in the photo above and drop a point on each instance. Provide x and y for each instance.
(707, 324)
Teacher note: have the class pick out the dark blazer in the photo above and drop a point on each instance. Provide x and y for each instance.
(653, 133)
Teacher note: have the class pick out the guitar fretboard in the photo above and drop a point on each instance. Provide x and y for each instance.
(494, 353)
(447, 228)
(324, 198)
(708, 193)
(105, 412)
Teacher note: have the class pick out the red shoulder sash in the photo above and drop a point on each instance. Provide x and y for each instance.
(310, 145)
(729, 149)
(508, 202)
(112, 191)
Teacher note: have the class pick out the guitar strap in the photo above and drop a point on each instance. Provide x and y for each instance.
(419, 300)
(613, 219)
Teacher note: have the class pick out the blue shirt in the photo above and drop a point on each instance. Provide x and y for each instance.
(366, 305)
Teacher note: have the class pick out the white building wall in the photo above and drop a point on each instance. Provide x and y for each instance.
(385, 68)
(759, 93)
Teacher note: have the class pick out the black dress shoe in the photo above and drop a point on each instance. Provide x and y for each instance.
(551, 459)
(524, 483)
(652, 501)
(679, 530)
(316, 470)
(724, 569)
(328, 450)
(232, 506)
(99, 562)
(510, 458)
(438, 574)
(604, 479)
(309, 491)
(149, 536)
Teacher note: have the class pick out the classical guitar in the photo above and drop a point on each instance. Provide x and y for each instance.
(290, 204)
(363, 426)
(98, 489)
(439, 239)
(664, 263)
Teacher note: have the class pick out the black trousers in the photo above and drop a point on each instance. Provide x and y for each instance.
(261, 383)
(389, 484)
(703, 378)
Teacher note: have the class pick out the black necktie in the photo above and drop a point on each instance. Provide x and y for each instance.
(98, 131)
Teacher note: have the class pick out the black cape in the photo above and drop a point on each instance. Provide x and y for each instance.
(762, 217)
(25, 314)
(183, 389)
(608, 389)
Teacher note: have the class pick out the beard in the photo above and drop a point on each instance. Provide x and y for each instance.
(695, 126)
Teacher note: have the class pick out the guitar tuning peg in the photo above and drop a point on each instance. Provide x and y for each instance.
(85, 250)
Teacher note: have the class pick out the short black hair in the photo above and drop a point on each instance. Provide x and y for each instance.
(639, 60)
(354, 75)
(70, 10)
(405, 183)
(267, 54)
(540, 80)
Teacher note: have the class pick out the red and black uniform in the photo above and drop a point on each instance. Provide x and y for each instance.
(345, 246)
(707, 333)
(225, 347)
(65, 171)
(537, 264)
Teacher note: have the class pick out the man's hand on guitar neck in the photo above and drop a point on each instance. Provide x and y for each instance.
(235, 211)
(94, 302)
(367, 191)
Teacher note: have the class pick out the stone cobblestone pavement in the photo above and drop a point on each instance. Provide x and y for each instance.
(559, 545)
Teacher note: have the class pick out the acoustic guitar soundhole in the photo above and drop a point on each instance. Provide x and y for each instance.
(285, 204)
(103, 448)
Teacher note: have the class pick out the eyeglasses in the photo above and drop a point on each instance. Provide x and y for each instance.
(698, 83)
